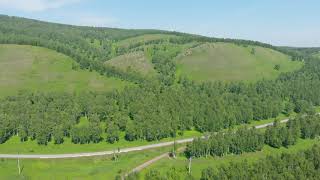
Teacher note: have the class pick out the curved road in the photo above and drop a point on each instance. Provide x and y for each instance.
(125, 150)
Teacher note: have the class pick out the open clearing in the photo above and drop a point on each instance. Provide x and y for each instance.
(143, 39)
(134, 61)
(227, 61)
(40, 69)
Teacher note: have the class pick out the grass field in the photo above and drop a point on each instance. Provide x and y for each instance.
(143, 38)
(39, 69)
(226, 61)
(199, 164)
(102, 167)
(135, 61)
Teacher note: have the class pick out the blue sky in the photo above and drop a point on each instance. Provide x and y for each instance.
(279, 22)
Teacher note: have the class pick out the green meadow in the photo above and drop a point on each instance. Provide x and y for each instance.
(28, 68)
(231, 62)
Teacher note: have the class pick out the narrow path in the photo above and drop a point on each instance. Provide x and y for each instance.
(148, 163)
(125, 150)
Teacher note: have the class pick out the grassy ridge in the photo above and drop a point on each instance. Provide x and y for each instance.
(143, 39)
(39, 69)
(226, 61)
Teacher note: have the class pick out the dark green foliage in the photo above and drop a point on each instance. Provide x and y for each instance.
(243, 140)
(253, 51)
(207, 174)
(154, 175)
(252, 140)
(303, 165)
(112, 133)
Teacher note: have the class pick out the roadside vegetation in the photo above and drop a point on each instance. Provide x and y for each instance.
(235, 166)
(222, 154)
(101, 167)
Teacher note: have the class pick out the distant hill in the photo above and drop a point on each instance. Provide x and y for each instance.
(226, 61)
(133, 55)
(31, 68)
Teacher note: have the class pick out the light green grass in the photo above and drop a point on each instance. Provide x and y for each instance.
(201, 163)
(14, 145)
(40, 69)
(230, 62)
(143, 38)
(135, 61)
(102, 167)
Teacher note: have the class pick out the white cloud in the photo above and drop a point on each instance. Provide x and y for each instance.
(34, 5)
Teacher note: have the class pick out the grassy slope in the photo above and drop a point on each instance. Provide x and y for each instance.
(40, 69)
(143, 38)
(199, 164)
(102, 167)
(226, 61)
(136, 61)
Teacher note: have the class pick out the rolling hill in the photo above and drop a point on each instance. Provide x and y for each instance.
(226, 61)
(134, 61)
(32, 68)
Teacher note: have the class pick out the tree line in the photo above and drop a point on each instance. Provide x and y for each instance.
(252, 140)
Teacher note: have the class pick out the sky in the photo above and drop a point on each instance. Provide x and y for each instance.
(278, 22)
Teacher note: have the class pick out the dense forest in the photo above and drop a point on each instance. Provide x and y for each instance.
(303, 165)
(156, 108)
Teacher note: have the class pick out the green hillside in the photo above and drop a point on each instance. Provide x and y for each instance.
(226, 61)
(39, 69)
(142, 39)
(134, 61)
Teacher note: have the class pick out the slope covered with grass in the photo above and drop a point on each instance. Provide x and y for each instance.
(134, 61)
(227, 61)
(142, 39)
(39, 69)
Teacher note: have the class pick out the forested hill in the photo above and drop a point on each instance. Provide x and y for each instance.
(160, 106)
(91, 46)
